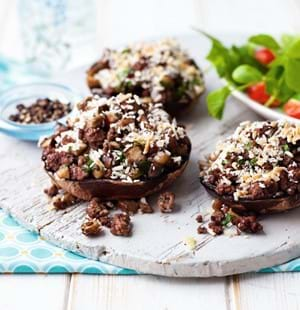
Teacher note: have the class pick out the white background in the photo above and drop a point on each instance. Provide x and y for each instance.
(127, 20)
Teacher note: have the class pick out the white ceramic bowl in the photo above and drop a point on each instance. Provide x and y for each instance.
(265, 112)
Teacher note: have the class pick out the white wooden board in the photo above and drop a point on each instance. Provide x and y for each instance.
(157, 245)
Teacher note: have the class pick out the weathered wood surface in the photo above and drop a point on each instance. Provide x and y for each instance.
(157, 245)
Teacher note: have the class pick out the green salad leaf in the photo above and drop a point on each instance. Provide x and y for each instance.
(245, 74)
(265, 40)
(219, 56)
(293, 51)
(287, 40)
(241, 68)
(292, 71)
(216, 102)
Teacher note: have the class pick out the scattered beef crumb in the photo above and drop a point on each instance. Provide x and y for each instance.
(166, 202)
(217, 217)
(103, 213)
(63, 201)
(105, 221)
(223, 215)
(128, 206)
(144, 206)
(91, 227)
(217, 228)
(199, 218)
(51, 191)
(201, 230)
(95, 208)
(120, 225)
(99, 210)
(248, 224)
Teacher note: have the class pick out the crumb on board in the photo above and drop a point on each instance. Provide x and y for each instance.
(190, 242)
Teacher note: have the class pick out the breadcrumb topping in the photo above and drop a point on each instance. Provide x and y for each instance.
(150, 70)
(118, 138)
(258, 154)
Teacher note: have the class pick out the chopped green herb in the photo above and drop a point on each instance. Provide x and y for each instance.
(121, 157)
(248, 146)
(70, 148)
(126, 50)
(88, 167)
(124, 73)
(286, 147)
(253, 161)
(125, 86)
(196, 81)
(181, 90)
(166, 82)
(90, 162)
(241, 161)
(128, 84)
(227, 220)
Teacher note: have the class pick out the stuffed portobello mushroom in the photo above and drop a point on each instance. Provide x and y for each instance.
(116, 148)
(257, 168)
(157, 72)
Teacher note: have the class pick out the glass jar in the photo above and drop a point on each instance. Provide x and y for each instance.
(57, 34)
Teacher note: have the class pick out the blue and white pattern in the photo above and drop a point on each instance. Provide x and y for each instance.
(22, 251)
(293, 265)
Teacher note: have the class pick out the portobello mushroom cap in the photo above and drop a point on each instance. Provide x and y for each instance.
(259, 206)
(116, 148)
(162, 72)
(114, 190)
(257, 168)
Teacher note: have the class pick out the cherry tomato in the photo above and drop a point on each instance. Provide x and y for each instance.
(264, 56)
(259, 93)
(292, 108)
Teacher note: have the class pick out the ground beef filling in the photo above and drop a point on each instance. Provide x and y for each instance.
(118, 138)
(159, 72)
(260, 160)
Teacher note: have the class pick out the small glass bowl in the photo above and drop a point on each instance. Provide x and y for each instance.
(28, 94)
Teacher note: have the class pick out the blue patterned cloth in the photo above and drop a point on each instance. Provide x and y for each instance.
(22, 251)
